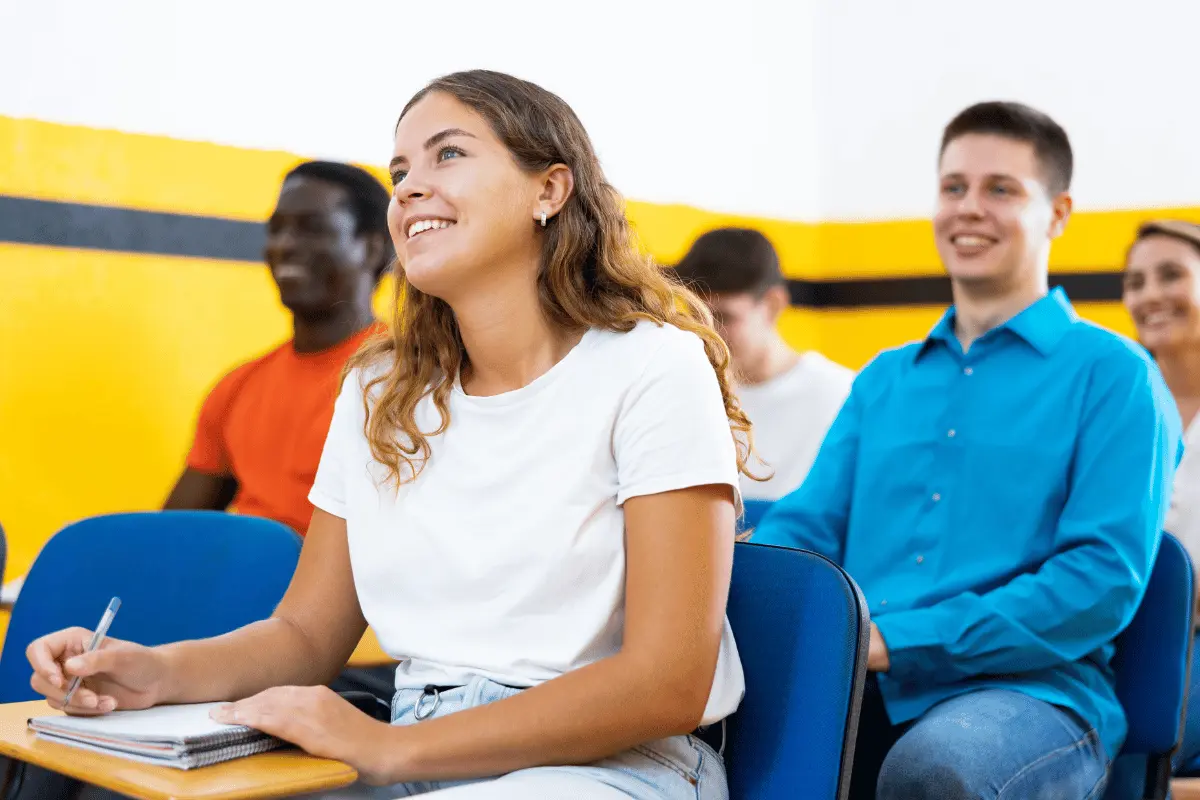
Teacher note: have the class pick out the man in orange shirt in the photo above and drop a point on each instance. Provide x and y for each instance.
(261, 430)
(263, 426)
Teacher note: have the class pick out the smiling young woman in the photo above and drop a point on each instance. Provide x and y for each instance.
(1162, 295)
(528, 489)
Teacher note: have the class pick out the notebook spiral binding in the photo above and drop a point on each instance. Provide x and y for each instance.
(207, 757)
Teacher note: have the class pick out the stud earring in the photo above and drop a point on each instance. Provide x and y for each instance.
(543, 218)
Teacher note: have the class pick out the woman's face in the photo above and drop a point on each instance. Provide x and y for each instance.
(1161, 292)
(462, 211)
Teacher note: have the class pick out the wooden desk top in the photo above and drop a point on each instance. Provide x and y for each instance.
(1185, 788)
(276, 774)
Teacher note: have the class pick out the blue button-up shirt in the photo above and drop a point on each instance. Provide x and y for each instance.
(1001, 508)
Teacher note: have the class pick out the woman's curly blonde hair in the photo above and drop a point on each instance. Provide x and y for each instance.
(592, 276)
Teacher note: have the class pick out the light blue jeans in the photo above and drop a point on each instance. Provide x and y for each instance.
(990, 744)
(668, 769)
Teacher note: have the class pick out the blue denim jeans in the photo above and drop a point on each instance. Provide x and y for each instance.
(669, 769)
(987, 744)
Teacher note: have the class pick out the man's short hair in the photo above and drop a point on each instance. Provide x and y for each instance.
(368, 199)
(1020, 123)
(731, 261)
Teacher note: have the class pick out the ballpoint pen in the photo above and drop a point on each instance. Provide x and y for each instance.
(97, 639)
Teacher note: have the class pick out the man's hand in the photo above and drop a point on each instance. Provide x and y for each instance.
(877, 655)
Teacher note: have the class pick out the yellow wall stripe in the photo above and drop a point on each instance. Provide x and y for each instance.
(49, 161)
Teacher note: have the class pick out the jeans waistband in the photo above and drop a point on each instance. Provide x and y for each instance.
(713, 736)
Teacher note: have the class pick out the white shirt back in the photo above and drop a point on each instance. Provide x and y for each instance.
(791, 413)
(505, 558)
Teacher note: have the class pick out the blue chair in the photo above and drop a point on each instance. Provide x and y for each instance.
(179, 574)
(753, 513)
(803, 631)
(1152, 664)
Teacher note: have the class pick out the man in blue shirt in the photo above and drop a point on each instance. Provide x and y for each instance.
(997, 491)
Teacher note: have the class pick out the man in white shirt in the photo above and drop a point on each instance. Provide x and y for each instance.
(790, 397)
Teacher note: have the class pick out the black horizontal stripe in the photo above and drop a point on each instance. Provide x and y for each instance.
(55, 224)
(27, 221)
(1099, 285)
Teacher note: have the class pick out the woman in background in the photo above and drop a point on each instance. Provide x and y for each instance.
(1162, 295)
(528, 489)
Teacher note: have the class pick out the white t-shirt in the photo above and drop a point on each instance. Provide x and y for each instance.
(1183, 516)
(791, 414)
(505, 558)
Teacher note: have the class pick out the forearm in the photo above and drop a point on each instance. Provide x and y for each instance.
(578, 718)
(1035, 621)
(272, 652)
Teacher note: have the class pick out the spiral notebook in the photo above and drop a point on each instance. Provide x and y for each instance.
(183, 736)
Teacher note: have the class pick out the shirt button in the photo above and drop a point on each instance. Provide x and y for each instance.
(920, 559)
(883, 603)
(951, 433)
(936, 497)
(968, 371)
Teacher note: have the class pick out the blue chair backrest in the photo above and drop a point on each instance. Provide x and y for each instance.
(753, 513)
(179, 574)
(802, 631)
(1153, 660)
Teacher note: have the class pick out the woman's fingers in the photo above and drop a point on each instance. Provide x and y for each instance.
(47, 653)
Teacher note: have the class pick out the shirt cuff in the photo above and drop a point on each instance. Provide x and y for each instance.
(914, 647)
(682, 480)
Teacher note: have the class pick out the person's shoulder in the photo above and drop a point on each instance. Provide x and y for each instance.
(883, 371)
(367, 374)
(237, 379)
(822, 368)
(1117, 365)
(890, 362)
(649, 342)
(646, 332)
(1107, 343)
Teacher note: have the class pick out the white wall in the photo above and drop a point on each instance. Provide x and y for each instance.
(1120, 77)
(803, 109)
(699, 103)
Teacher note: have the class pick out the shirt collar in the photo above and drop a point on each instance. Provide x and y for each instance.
(1042, 325)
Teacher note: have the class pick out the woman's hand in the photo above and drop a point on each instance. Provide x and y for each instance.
(119, 674)
(320, 722)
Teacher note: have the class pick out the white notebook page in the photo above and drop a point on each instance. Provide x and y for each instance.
(182, 724)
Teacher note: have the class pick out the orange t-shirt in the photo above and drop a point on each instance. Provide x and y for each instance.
(265, 424)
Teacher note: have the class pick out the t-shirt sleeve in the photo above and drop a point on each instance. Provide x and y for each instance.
(329, 487)
(671, 432)
(209, 453)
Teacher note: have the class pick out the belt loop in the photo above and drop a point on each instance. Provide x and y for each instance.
(432, 691)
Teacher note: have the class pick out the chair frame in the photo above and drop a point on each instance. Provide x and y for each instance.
(858, 687)
(1158, 765)
(859, 669)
